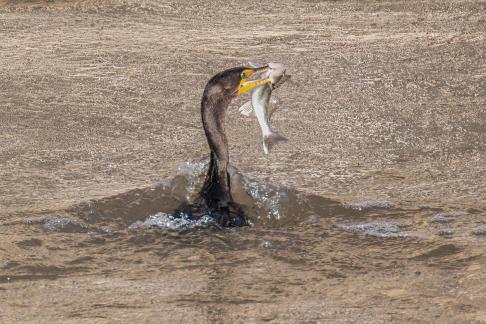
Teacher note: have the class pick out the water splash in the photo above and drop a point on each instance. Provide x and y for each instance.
(263, 203)
(480, 230)
(378, 229)
(173, 222)
(445, 232)
(271, 200)
(446, 217)
(65, 225)
(189, 176)
(369, 204)
(259, 199)
(58, 223)
(442, 218)
(266, 244)
(193, 172)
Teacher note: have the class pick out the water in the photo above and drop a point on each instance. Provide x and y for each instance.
(152, 207)
(268, 207)
(480, 230)
(369, 204)
(378, 229)
(298, 245)
(173, 222)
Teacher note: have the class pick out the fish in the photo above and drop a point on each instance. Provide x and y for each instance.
(263, 105)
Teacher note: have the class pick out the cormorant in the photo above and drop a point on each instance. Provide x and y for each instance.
(218, 93)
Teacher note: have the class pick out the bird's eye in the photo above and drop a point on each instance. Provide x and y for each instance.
(243, 75)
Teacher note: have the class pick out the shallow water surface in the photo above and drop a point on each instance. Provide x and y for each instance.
(372, 212)
(298, 243)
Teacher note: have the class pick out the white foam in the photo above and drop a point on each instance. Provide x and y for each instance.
(169, 221)
(368, 204)
(377, 229)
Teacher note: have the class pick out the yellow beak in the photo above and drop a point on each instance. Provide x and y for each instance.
(246, 86)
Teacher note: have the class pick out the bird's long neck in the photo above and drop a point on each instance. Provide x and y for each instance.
(216, 190)
(218, 93)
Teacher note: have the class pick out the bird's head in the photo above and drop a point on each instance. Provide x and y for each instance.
(257, 76)
(252, 77)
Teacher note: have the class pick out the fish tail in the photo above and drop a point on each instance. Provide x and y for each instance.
(272, 139)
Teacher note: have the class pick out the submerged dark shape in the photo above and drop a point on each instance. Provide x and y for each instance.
(218, 93)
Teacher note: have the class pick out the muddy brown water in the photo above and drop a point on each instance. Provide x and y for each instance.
(374, 211)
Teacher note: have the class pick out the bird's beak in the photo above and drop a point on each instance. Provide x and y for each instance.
(246, 85)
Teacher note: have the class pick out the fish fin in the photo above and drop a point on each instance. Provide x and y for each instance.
(270, 140)
(247, 109)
